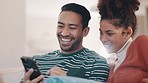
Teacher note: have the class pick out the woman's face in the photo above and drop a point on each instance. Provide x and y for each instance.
(112, 37)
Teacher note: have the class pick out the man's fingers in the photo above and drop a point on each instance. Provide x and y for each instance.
(56, 71)
(38, 79)
(48, 72)
(28, 74)
(53, 70)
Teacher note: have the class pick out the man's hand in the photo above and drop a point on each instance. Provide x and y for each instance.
(36, 80)
(56, 71)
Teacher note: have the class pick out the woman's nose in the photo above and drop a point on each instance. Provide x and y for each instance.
(103, 38)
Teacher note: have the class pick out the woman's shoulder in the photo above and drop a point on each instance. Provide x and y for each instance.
(142, 38)
(141, 42)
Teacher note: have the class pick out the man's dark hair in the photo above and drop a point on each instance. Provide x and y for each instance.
(81, 10)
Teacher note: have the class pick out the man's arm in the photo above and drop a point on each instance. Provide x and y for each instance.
(56, 71)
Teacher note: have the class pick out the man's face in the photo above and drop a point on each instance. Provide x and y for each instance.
(69, 32)
(112, 37)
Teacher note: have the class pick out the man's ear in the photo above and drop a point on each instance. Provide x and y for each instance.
(85, 31)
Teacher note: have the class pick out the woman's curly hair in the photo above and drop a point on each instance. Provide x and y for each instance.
(123, 10)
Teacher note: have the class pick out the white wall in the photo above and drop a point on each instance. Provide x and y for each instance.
(142, 15)
(12, 38)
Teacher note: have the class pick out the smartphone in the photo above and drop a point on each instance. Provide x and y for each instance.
(28, 63)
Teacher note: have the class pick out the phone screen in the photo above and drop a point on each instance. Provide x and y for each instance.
(29, 63)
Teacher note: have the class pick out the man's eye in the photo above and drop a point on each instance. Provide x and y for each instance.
(60, 26)
(73, 28)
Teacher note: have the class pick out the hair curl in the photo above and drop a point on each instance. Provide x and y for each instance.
(124, 10)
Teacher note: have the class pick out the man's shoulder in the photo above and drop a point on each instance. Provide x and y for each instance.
(50, 54)
(94, 54)
(96, 59)
(87, 51)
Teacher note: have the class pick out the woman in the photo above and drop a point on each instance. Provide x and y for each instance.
(117, 27)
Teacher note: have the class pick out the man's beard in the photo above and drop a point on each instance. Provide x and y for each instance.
(73, 47)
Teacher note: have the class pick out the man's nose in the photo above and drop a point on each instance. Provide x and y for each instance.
(65, 31)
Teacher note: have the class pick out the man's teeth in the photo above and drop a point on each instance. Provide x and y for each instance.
(66, 40)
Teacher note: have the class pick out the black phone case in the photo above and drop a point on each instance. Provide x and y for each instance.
(29, 63)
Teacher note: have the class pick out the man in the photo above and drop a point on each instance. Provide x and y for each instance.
(73, 59)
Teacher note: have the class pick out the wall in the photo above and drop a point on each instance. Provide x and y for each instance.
(12, 38)
(142, 26)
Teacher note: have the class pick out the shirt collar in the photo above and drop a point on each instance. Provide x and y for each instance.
(125, 46)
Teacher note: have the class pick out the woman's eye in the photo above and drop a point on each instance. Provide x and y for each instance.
(101, 33)
(110, 34)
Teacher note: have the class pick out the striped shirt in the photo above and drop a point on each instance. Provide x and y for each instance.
(84, 64)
